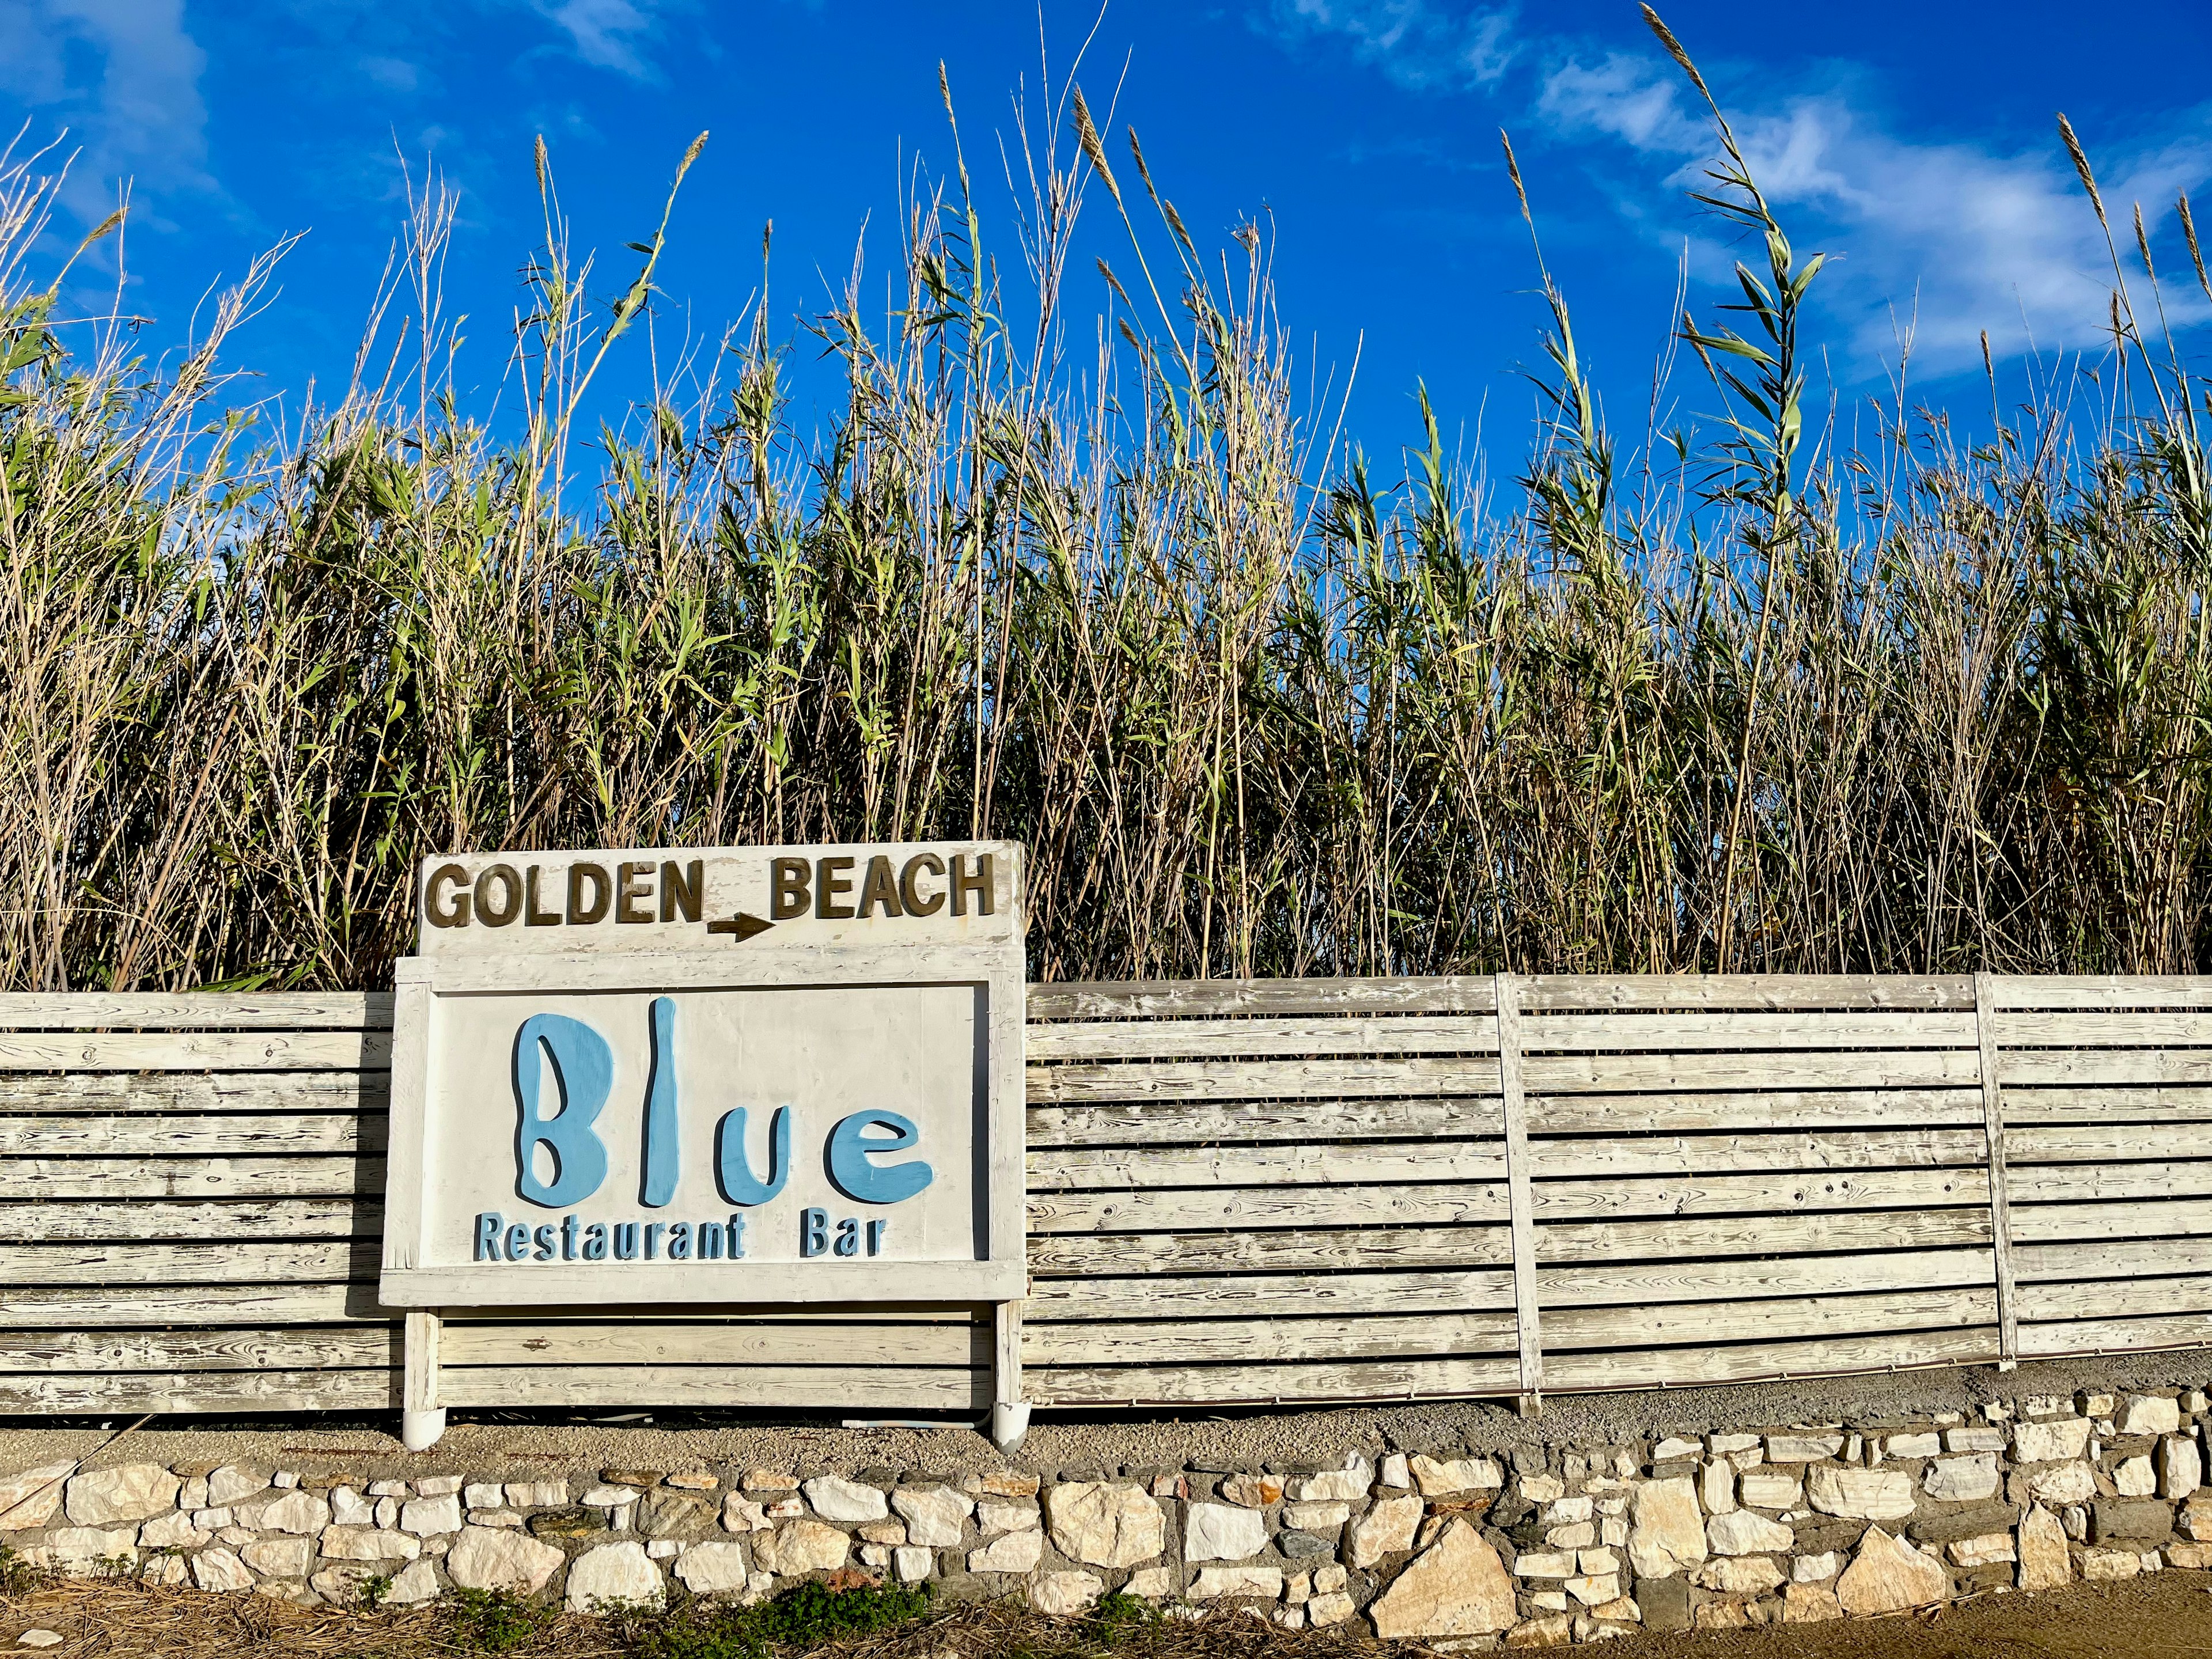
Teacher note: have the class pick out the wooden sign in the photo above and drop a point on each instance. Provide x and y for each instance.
(738, 1075)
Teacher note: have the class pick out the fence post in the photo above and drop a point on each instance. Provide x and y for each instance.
(1010, 1413)
(422, 1419)
(1986, 1031)
(1521, 1208)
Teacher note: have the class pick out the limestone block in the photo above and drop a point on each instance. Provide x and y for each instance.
(1669, 1533)
(536, 1494)
(1718, 1487)
(693, 1480)
(1457, 1587)
(1815, 1569)
(799, 1546)
(1214, 1582)
(2063, 1483)
(1963, 1480)
(30, 1500)
(933, 1515)
(1315, 1517)
(426, 1516)
(417, 1582)
(431, 1486)
(133, 1491)
(1330, 1578)
(2150, 1414)
(2044, 1560)
(1551, 1563)
(614, 1573)
(1436, 1480)
(350, 1509)
(1592, 1589)
(713, 1568)
(1223, 1532)
(2134, 1479)
(476, 1496)
(1581, 1535)
(1104, 1524)
(1973, 1439)
(1673, 1447)
(1013, 1552)
(1802, 1447)
(912, 1563)
(743, 1515)
(1394, 1471)
(2180, 1467)
(1890, 1576)
(1006, 1518)
(231, 1485)
(1341, 1485)
(164, 1570)
(1328, 1607)
(81, 1551)
(220, 1569)
(611, 1497)
(1388, 1529)
(835, 1499)
(2196, 1556)
(2104, 1565)
(2066, 1438)
(2196, 1518)
(1058, 1594)
(1550, 1632)
(1742, 1533)
(280, 1557)
(1922, 1443)
(175, 1532)
(1859, 1494)
(1810, 1604)
(1738, 1575)
(1990, 1549)
(494, 1558)
(1152, 1583)
(300, 1513)
(1768, 1489)
(1255, 1492)
(368, 1544)
(344, 1582)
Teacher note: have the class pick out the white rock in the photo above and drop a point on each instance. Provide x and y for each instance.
(1670, 1532)
(1213, 1581)
(667, 1549)
(2051, 1443)
(1458, 1588)
(743, 1515)
(170, 1532)
(219, 1570)
(280, 1557)
(1349, 1482)
(2106, 1566)
(1105, 1524)
(1802, 1447)
(2134, 1479)
(1963, 1480)
(134, 1492)
(835, 1499)
(1673, 1447)
(300, 1513)
(1738, 1574)
(477, 1496)
(1924, 1444)
(391, 1489)
(933, 1515)
(426, 1516)
(2045, 1563)
(1717, 1487)
(436, 1486)
(611, 1497)
(494, 1558)
(39, 1638)
(2063, 1483)
(1057, 1595)
(79, 1551)
(1861, 1494)
(1815, 1569)
(1013, 1551)
(1006, 1518)
(1437, 1480)
(1989, 1550)
(1315, 1517)
(350, 1509)
(1328, 1607)
(368, 1544)
(1544, 1563)
(1742, 1533)
(713, 1568)
(1223, 1532)
(2180, 1467)
(1395, 1471)
(1153, 1583)
(1386, 1528)
(30, 1500)
(536, 1494)
(803, 1547)
(1974, 1440)
(2150, 1414)
(230, 1484)
(1595, 1589)
(1766, 1489)
(912, 1563)
(614, 1573)
(1890, 1576)
(415, 1583)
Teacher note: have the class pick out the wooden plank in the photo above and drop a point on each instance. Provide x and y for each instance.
(1332, 1034)
(1083, 1082)
(1889, 1068)
(1302, 1250)
(423, 1343)
(1589, 1285)
(242, 1220)
(2185, 1030)
(1745, 1033)
(113, 1179)
(94, 1307)
(82, 1134)
(2083, 1068)
(175, 1093)
(1827, 1190)
(196, 1392)
(2185, 1330)
(1704, 1154)
(1993, 1130)
(2107, 1104)
(647, 1341)
(2113, 1259)
(2119, 1298)
(1545, 992)
(1676, 1368)
(1445, 1117)
(1302, 1385)
(196, 1051)
(2167, 1219)
(783, 1386)
(1691, 1238)
(1785, 1319)
(249, 1261)
(166, 1011)
(1162, 999)
(2099, 1143)
(1282, 1295)
(299, 1349)
(1742, 1111)
(2068, 1183)
(1064, 1169)
(1446, 1204)
(1192, 1342)
(2012, 991)
(1521, 1207)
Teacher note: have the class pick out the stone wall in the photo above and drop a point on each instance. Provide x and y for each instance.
(1464, 1548)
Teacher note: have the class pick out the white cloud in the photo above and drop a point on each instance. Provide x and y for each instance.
(605, 33)
(1424, 45)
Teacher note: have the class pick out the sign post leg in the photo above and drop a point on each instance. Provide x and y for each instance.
(1010, 1415)
(422, 1419)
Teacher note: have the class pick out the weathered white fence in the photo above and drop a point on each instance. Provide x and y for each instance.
(1239, 1191)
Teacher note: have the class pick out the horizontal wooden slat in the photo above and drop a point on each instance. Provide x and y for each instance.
(2187, 1330)
(1310, 1164)
(242, 1220)
(69, 1011)
(1185, 998)
(90, 1307)
(789, 1387)
(2184, 1030)
(197, 1051)
(116, 1179)
(2180, 1103)
(1304, 1385)
(2011, 991)
(1884, 1068)
(1589, 1285)
(2113, 1298)
(83, 1135)
(1303, 1250)
(2094, 1143)
(1182, 1122)
(648, 1342)
(1176, 1209)
(1727, 1194)
(2058, 1183)
(295, 1349)
(201, 1393)
(1703, 1154)
(1276, 1295)
(175, 1093)
(1746, 1110)
(1191, 1342)
(1783, 1319)
(1689, 1237)
(1265, 1079)
(2112, 1258)
(1777, 991)
(2149, 1218)
(2085, 1068)
(1167, 1039)
(1745, 1033)
(1676, 1368)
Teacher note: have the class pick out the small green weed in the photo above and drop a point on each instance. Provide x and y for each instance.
(17, 1576)
(494, 1621)
(807, 1616)
(1119, 1613)
(373, 1590)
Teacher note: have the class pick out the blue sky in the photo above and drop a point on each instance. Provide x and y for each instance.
(1915, 140)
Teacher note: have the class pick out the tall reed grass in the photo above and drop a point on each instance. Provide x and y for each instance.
(1113, 585)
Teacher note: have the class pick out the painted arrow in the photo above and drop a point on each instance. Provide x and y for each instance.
(740, 926)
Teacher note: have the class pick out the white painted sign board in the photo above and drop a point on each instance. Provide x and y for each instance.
(780, 1074)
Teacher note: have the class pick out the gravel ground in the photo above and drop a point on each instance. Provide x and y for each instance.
(1077, 1445)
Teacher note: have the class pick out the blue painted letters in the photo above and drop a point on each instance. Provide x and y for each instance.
(584, 1067)
(858, 1178)
(733, 1168)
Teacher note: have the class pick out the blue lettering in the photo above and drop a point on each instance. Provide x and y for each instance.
(710, 1242)
(848, 1236)
(661, 1151)
(858, 1178)
(518, 1241)
(679, 1241)
(488, 1223)
(595, 1242)
(625, 1241)
(545, 1243)
(733, 1167)
(652, 1231)
(876, 1236)
(813, 1231)
(568, 1239)
(737, 1225)
(584, 1067)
